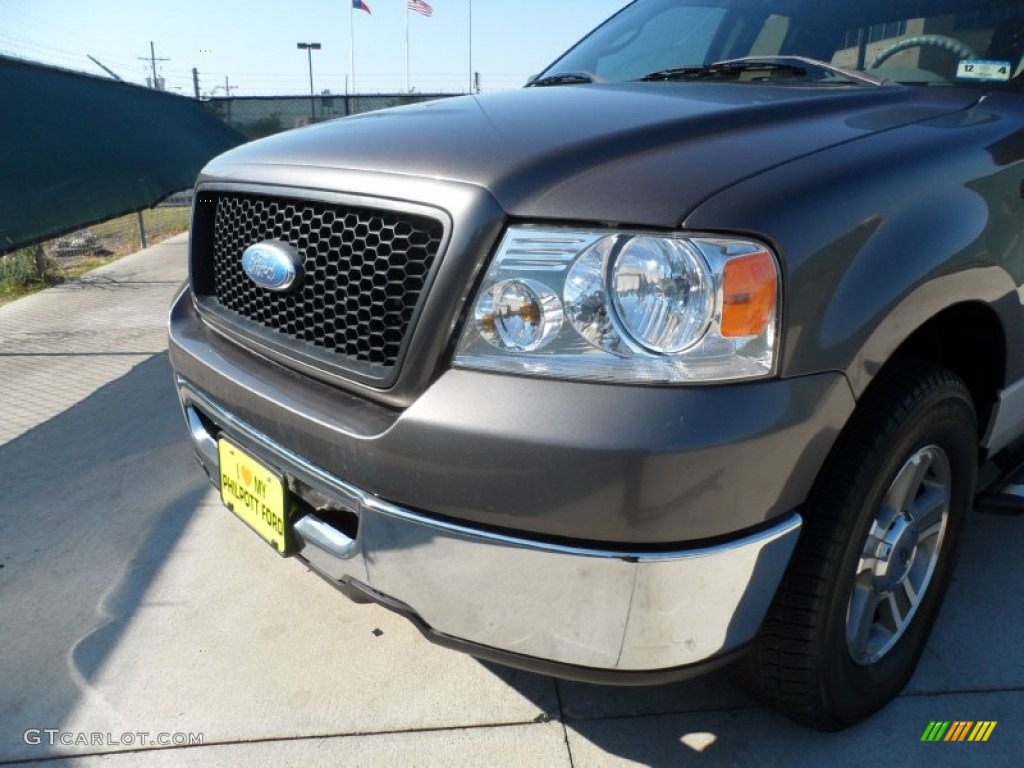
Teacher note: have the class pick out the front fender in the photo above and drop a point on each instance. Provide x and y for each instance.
(880, 235)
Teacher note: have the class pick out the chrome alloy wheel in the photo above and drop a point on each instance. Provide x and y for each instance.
(899, 555)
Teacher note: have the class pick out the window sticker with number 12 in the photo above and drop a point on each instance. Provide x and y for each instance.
(980, 69)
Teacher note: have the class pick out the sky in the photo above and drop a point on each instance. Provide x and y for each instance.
(253, 44)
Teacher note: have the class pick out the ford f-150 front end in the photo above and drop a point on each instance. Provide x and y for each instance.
(562, 374)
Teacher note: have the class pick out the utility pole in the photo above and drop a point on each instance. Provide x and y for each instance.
(228, 88)
(152, 59)
(195, 81)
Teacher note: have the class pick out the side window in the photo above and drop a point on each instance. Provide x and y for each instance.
(677, 37)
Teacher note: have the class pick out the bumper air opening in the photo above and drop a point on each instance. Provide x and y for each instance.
(342, 520)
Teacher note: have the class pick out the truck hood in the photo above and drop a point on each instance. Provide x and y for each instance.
(639, 153)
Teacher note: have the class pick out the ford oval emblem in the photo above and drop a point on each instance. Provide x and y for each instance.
(272, 265)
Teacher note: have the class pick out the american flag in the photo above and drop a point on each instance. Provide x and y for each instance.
(421, 7)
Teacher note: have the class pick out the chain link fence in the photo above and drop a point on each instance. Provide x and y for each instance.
(70, 255)
(123, 235)
(259, 116)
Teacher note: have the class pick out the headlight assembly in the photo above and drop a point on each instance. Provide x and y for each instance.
(625, 307)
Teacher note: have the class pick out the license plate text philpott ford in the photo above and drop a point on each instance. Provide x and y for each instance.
(254, 493)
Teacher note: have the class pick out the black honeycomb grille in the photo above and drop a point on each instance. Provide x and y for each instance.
(364, 270)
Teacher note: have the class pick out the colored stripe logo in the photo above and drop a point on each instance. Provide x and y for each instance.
(959, 730)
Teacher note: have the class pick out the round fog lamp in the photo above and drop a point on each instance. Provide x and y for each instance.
(662, 293)
(518, 315)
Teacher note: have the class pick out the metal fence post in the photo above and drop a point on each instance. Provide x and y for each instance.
(40, 257)
(142, 230)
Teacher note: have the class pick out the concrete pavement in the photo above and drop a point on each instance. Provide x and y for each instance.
(60, 345)
(131, 602)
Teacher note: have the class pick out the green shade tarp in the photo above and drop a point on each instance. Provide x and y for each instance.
(76, 149)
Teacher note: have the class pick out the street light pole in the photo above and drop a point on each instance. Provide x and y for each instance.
(309, 48)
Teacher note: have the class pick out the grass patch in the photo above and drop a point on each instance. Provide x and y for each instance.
(82, 266)
(23, 272)
(19, 270)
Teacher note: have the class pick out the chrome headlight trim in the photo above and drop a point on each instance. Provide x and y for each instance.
(697, 308)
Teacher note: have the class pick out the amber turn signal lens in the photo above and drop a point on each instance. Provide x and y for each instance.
(750, 284)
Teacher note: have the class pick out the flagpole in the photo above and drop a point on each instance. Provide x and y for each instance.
(407, 89)
(352, 44)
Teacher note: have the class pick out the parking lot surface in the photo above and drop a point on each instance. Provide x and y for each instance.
(137, 615)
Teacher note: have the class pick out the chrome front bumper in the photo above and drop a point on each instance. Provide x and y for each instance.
(591, 608)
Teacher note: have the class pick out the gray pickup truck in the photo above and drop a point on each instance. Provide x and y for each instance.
(690, 352)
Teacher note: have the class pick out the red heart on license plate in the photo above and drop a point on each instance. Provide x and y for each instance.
(246, 476)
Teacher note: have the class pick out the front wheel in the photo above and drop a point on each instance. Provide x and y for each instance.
(881, 528)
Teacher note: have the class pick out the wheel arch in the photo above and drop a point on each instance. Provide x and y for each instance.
(971, 336)
(968, 339)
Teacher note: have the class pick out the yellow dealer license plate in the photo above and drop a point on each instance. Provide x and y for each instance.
(254, 493)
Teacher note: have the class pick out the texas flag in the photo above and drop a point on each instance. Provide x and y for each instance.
(359, 5)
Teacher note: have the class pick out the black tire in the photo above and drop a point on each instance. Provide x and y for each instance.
(802, 662)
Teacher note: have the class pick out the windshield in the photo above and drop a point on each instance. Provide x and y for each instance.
(936, 42)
